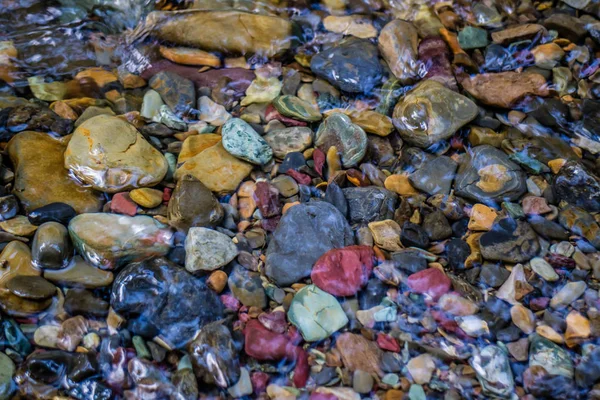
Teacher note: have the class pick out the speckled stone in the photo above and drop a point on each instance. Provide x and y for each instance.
(242, 141)
(349, 139)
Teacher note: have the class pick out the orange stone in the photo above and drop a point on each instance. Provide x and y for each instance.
(578, 328)
(492, 177)
(98, 75)
(189, 56)
(556, 164)
(64, 110)
(196, 144)
(400, 184)
(549, 333)
(482, 218)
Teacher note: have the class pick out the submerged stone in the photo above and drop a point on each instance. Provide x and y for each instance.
(207, 249)
(242, 141)
(349, 139)
(510, 241)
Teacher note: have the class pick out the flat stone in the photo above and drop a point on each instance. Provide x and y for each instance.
(567, 26)
(146, 197)
(195, 144)
(430, 112)
(40, 176)
(176, 91)
(349, 139)
(31, 287)
(568, 294)
(80, 274)
(386, 234)
(517, 32)
(19, 226)
(151, 104)
(435, 176)
(193, 205)
(543, 269)
(359, 353)
(430, 281)
(398, 46)
(582, 223)
(111, 162)
(287, 140)
(190, 56)
(242, 141)
(510, 241)
(51, 247)
(577, 186)
(371, 203)
(207, 249)
(343, 272)
(296, 108)
(354, 25)
(246, 286)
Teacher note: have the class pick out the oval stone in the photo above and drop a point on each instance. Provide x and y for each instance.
(343, 272)
(295, 107)
(350, 139)
(242, 141)
(31, 287)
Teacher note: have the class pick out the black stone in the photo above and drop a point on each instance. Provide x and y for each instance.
(53, 367)
(34, 118)
(335, 196)
(292, 160)
(436, 226)
(577, 186)
(409, 261)
(158, 130)
(460, 227)
(435, 176)
(510, 241)
(372, 294)
(412, 235)
(591, 116)
(9, 207)
(457, 251)
(370, 203)
(53, 212)
(83, 302)
(157, 295)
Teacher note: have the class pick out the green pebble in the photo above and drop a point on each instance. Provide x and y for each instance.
(513, 209)
(141, 349)
(472, 38)
(416, 392)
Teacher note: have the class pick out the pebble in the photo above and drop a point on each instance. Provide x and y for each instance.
(211, 112)
(435, 176)
(343, 272)
(398, 46)
(362, 382)
(242, 141)
(247, 287)
(510, 241)
(192, 204)
(79, 274)
(430, 281)
(288, 140)
(543, 269)
(19, 226)
(207, 250)
(7, 370)
(296, 108)
(568, 294)
(53, 212)
(349, 139)
(146, 197)
(421, 368)
(31, 287)
(482, 218)
(386, 234)
(177, 92)
(51, 247)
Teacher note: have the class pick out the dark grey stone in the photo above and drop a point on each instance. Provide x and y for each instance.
(435, 176)
(370, 203)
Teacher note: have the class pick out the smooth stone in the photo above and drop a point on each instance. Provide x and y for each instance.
(83, 302)
(7, 370)
(577, 186)
(353, 25)
(413, 235)
(351, 65)
(211, 112)
(193, 205)
(504, 89)
(9, 207)
(435, 176)
(437, 226)
(487, 174)
(547, 55)
(343, 272)
(349, 139)
(113, 162)
(262, 90)
(568, 294)
(108, 241)
(40, 176)
(316, 314)
(216, 168)
(31, 287)
(567, 26)
(47, 336)
(16, 306)
(543, 269)
(151, 105)
(409, 260)
(430, 112)
(242, 141)
(146, 197)
(370, 121)
(148, 294)
(472, 38)
(296, 108)
(287, 140)
(51, 247)
(492, 367)
(92, 112)
(398, 46)
(386, 234)
(53, 212)
(550, 356)
(16, 259)
(246, 286)
(421, 368)
(190, 56)
(19, 226)
(371, 203)
(32, 117)
(334, 195)
(431, 281)
(80, 274)
(359, 353)
(434, 52)
(176, 91)
(517, 32)
(168, 118)
(243, 386)
(582, 223)
(509, 241)
(195, 144)
(304, 233)
(207, 250)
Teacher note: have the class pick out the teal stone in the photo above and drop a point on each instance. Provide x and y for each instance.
(550, 356)
(472, 38)
(15, 337)
(388, 314)
(416, 392)
(390, 379)
(7, 370)
(316, 313)
(349, 139)
(493, 371)
(242, 141)
(172, 166)
(296, 108)
(141, 349)
(513, 209)
(528, 163)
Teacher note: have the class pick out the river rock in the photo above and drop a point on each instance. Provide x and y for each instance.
(31, 287)
(296, 108)
(577, 186)
(192, 204)
(80, 274)
(176, 91)
(242, 141)
(287, 140)
(487, 174)
(431, 112)
(351, 65)
(16, 258)
(431, 282)
(53, 212)
(343, 272)
(493, 371)
(349, 139)
(305, 232)
(207, 250)
(111, 155)
(359, 353)
(550, 356)
(435, 176)
(7, 370)
(40, 176)
(110, 240)
(504, 89)
(51, 247)
(509, 240)
(371, 203)
(149, 295)
(398, 46)
(580, 222)
(151, 105)
(246, 286)
(316, 314)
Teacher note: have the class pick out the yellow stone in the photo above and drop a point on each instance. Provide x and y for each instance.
(523, 318)
(15, 260)
(578, 328)
(480, 135)
(549, 333)
(98, 75)
(8, 53)
(370, 121)
(334, 162)
(19, 226)
(492, 178)
(262, 91)
(386, 234)
(556, 164)
(196, 144)
(475, 256)
(400, 184)
(190, 56)
(482, 218)
(350, 25)
(147, 197)
(63, 109)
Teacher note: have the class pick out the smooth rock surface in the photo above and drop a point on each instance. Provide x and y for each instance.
(207, 249)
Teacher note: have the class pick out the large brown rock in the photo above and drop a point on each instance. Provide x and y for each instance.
(40, 176)
(398, 42)
(193, 204)
(359, 353)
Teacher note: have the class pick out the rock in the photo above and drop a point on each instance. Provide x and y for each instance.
(398, 46)
(547, 228)
(568, 294)
(29, 117)
(578, 328)
(190, 56)
(351, 65)
(543, 269)
(349, 139)
(51, 247)
(409, 260)
(262, 90)
(193, 205)
(458, 251)
(211, 112)
(488, 175)
(53, 212)
(146, 197)
(412, 235)
(371, 203)
(296, 108)
(504, 89)
(517, 32)
(493, 371)
(352, 25)
(577, 186)
(359, 353)
(386, 234)
(482, 217)
(343, 272)
(304, 233)
(8, 207)
(436, 226)
(40, 176)
(430, 281)
(176, 91)
(16, 258)
(400, 184)
(362, 382)
(547, 55)
(567, 26)
(31, 287)
(80, 274)
(472, 38)
(586, 372)
(370, 121)
(113, 163)
(457, 305)
(7, 370)
(151, 105)
(246, 286)
(148, 294)
(316, 314)
(581, 223)
(515, 287)
(430, 112)
(110, 240)
(551, 357)
(121, 203)
(242, 141)
(207, 250)
(523, 318)
(435, 176)
(287, 140)
(243, 387)
(509, 240)
(218, 170)
(195, 144)
(434, 52)
(214, 356)
(19, 226)
(421, 368)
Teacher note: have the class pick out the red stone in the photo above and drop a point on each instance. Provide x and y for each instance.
(230, 302)
(319, 160)
(267, 199)
(448, 324)
(121, 203)
(560, 261)
(167, 192)
(535, 205)
(274, 321)
(430, 281)
(264, 345)
(259, 380)
(271, 113)
(343, 272)
(386, 342)
(299, 177)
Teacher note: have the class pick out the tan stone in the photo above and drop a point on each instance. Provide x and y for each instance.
(479, 135)
(370, 121)
(400, 184)
(556, 164)
(64, 110)
(8, 53)
(517, 32)
(547, 55)
(482, 218)
(190, 56)
(15, 260)
(19, 226)
(217, 281)
(398, 43)
(195, 144)
(549, 333)
(578, 328)
(493, 177)
(457, 305)
(147, 197)
(523, 318)
(101, 76)
(386, 234)
(359, 353)
(421, 368)
(79, 274)
(350, 25)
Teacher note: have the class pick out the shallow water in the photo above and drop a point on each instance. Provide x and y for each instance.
(325, 200)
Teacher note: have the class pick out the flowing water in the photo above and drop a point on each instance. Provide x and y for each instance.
(335, 199)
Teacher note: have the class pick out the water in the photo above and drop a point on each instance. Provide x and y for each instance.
(299, 199)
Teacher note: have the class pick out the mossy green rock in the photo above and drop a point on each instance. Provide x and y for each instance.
(242, 141)
(548, 355)
(472, 38)
(316, 313)
(295, 107)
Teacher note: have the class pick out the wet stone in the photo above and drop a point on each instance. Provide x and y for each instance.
(349, 139)
(176, 91)
(343, 272)
(577, 186)
(247, 287)
(7, 370)
(8, 207)
(510, 241)
(413, 235)
(192, 204)
(435, 176)
(398, 46)
(53, 212)
(83, 302)
(367, 204)
(51, 247)
(207, 249)
(287, 140)
(80, 274)
(242, 141)
(472, 38)
(295, 107)
(31, 287)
